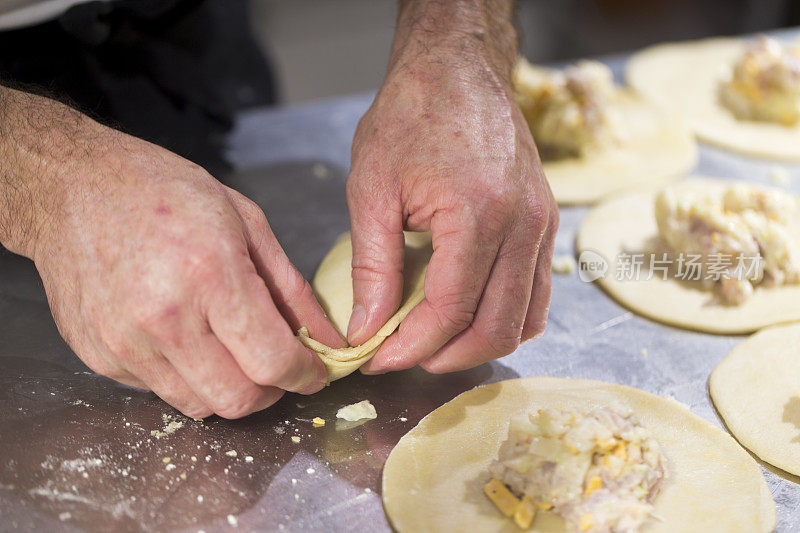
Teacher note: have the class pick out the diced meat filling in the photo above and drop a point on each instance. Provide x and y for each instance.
(570, 112)
(743, 234)
(600, 470)
(765, 83)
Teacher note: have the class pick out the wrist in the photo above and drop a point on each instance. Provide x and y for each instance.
(472, 39)
(45, 146)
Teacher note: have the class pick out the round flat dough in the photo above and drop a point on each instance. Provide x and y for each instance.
(684, 78)
(433, 478)
(333, 286)
(756, 389)
(627, 224)
(660, 148)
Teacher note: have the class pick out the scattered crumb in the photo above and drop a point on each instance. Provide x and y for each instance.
(194, 459)
(294, 481)
(403, 419)
(248, 459)
(199, 498)
(170, 467)
(166, 460)
(779, 176)
(208, 458)
(320, 171)
(644, 352)
(183, 475)
(357, 411)
(318, 422)
(64, 516)
(170, 427)
(367, 490)
(310, 470)
(279, 430)
(295, 439)
(232, 520)
(563, 264)
(231, 453)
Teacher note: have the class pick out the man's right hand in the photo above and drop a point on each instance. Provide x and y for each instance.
(158, 276)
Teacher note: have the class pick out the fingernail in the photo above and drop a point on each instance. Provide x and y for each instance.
(357, 320)
(372, 371)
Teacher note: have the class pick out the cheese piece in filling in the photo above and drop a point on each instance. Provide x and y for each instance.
(765, 83)
(744, 232)
(600, 471)
(570, 112)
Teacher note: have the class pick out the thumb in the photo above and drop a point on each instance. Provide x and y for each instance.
(378, 246)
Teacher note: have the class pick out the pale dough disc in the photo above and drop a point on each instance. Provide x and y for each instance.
(756, 389)
(684, 78)
(333, 286)
(627, 224)
(659, 149)
(433, 478)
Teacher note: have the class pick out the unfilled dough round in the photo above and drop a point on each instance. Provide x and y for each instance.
(660, 148)
(756, 389)
(333, 286)
(684, 78)
(627, 224)
(433, 478)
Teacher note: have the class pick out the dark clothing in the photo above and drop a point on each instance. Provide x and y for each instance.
(173, 72)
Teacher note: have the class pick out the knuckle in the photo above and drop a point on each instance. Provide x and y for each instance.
(276, 367)
(200, 263)
(503, 339)
(196, 411)
(237, 404)
(455, 314)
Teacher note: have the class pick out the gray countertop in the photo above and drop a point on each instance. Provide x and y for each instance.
(77, 452)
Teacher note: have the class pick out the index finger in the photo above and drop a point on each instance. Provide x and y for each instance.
(247, 322)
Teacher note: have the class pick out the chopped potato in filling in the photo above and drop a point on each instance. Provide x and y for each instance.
(765, 83)
(742, 236)
(570, 112)
(600, 470)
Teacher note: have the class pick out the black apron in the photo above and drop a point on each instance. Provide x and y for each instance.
(173, 72)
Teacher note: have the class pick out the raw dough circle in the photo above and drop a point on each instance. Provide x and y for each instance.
(660, 149)
(433, 478)
(756, 389)
(684, 77)
(627, 224)
(333, 286)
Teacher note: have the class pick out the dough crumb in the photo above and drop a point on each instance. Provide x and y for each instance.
(403, 419)
(171, 425)
(231, 453)
(318, 422)
(64, 516)
(310, 471)
(295, 439)
(357, 411)
(320, 171)
(779, 176)
(563, 264)
(248, 459)
(232, 520)
(166, 460)
(643, 353)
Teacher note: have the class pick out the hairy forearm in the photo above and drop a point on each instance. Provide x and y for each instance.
(42, 144)
(440, 36)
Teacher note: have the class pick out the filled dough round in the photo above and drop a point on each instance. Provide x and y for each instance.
(626, 225)
(684, 78)
(659, 149)
(333, 286)
(756, 389)
(433, 478)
